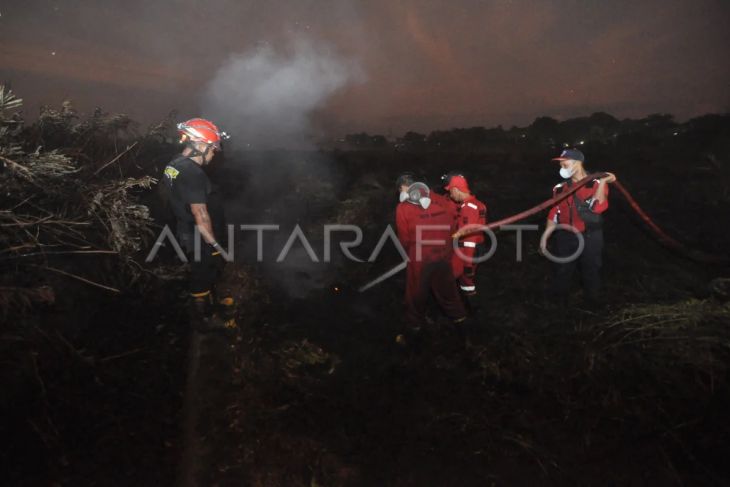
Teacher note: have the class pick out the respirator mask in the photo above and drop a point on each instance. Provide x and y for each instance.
(418, 194)
(567, 172)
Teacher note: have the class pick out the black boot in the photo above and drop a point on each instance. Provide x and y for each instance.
(227, 313)
(411, 338)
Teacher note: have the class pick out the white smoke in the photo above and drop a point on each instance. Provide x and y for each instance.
(266, 99)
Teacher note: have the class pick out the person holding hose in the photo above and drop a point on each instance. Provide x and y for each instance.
(576, 218)
(196, 206)
(424, 226)
(469, 212)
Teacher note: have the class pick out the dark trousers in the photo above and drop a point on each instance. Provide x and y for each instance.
(204, 271)
(565, 244)
(424, 278)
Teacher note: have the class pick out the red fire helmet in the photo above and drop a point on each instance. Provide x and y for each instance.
(201, 130)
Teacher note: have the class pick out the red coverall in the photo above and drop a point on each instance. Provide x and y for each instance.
(470, 212)
(566, 213)
(432, 272)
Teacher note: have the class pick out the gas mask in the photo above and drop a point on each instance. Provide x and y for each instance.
(567, 172)
(418, 194)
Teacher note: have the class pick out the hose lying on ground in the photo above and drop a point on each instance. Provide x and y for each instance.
(665, 239)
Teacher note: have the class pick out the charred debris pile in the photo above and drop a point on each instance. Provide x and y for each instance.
(70, 197)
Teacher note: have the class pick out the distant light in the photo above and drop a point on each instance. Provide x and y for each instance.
(676, 133)
(582, 142)
(53, 53)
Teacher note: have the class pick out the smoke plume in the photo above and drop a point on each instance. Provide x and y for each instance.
(266, 98)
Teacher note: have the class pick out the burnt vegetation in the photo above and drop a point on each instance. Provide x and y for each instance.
(312, 390)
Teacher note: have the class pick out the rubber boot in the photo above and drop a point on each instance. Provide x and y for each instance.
(227, 313)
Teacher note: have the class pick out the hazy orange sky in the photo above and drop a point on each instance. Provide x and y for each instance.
(427, 64)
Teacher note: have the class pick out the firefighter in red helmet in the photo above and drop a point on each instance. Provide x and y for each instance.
(469, 212)
(424, 228)
(196, 205)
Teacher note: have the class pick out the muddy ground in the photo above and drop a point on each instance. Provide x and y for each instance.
(312, 389)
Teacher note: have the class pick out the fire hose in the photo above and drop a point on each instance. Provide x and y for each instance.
(665, 239)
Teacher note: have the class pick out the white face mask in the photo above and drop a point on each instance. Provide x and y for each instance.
(417, 194)
(567, 172)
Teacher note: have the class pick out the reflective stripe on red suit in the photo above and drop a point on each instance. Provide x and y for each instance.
(470, 212)
(432, 272)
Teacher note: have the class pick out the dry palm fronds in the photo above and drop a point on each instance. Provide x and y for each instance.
(10, 122)
(50, 165)
(53, 205)
(8, 102)
(126, 221)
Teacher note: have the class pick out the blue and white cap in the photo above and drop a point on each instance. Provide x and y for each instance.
(570, 154)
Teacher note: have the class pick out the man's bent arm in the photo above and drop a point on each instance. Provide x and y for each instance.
(601, 193)
(202, 220)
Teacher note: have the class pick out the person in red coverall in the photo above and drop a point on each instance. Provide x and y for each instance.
(469, 211)
(424, 228)
(582, 213)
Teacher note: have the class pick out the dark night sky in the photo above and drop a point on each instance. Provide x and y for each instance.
(427, 63)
